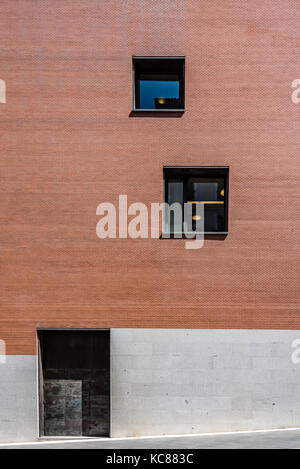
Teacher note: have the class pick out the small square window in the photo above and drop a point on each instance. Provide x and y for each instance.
(207, 186)
(158, 83)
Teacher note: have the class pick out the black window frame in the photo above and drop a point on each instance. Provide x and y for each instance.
(135, 83)
(183, 173)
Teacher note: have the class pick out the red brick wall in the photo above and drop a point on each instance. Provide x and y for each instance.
(68, 143)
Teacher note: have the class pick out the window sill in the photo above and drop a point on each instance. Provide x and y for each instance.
(157, 112)
(183, 235)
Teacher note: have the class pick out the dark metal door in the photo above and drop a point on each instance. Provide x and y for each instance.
(62, 407)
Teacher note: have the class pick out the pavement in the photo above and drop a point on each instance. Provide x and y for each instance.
(272, 439)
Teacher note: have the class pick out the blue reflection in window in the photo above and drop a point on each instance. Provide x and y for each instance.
(151, 89)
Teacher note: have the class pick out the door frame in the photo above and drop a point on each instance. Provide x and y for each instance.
(41, 408)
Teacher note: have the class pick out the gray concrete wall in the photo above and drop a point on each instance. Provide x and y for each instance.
(18, 398)
(176, 381)
(191, 381)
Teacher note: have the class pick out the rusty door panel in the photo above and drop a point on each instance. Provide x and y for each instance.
(63, 407)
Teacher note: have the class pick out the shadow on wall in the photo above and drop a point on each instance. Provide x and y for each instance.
(215, 237)
(143, 113)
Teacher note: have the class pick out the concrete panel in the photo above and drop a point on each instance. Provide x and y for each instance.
(176, 381)
(18, 398)
(172, 381)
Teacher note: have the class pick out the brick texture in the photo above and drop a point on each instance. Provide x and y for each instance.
(68, 143)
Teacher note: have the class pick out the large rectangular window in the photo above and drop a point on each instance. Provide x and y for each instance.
(158, 83)
(207, 186)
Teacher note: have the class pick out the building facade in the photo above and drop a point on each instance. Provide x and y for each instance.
(143, 336)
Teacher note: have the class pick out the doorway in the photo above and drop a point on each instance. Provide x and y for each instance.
(74, 382)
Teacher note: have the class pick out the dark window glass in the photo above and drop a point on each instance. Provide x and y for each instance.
(154, 93)
(159, 83)
(209, 192)
(175, 195)
(201, 185)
